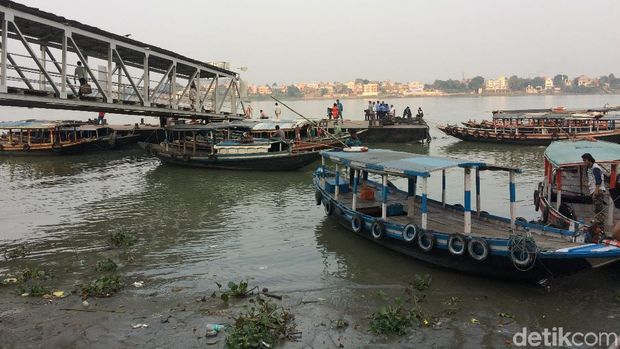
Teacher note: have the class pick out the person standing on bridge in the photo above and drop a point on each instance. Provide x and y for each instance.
(278, 112)
(193, 92)
(80, 75)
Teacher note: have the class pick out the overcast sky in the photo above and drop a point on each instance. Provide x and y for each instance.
(288, 41)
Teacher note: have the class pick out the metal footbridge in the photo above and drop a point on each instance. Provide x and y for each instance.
(40, 50)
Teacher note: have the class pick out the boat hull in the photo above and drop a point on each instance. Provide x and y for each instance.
(537, 140)
(497, 265)
(267, 162)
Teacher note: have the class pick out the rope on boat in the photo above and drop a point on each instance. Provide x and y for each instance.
(523, 251)
(310, 121)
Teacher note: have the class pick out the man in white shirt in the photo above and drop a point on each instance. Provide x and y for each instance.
(596, 187)
(278, 112)
(80, 75)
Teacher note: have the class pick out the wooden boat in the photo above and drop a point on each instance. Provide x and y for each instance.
(41, 137)
(434, 231)
(539, 127)
(307, 139)
(563, 197)
(197, 146)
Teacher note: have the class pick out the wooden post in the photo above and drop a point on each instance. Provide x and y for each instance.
(443, 188)
(424, 208)
(411, 186)
(384, 197)
(356, 176)
(467, 202)
(513, 196)
(478, 191)
(558, 187)
(337, 188)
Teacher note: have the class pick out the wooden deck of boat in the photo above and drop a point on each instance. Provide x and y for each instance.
(451, 221)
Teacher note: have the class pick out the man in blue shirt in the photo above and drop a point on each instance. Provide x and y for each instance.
(339, 105)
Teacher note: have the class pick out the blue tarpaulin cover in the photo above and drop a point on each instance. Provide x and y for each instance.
(567, 153)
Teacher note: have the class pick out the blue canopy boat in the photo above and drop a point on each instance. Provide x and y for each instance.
(203, 146)
(563, 196)
(443, 234)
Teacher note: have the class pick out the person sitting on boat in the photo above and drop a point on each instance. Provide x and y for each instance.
(263, 115)
(279, 133)
(353, 140)
(407, 113)
(420, 114)
(596, 188)
(246, 138)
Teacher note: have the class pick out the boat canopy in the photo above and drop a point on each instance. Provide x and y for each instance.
(402, 163)
(211, 126)
(568, 153)
(270, 125)
(38, 124)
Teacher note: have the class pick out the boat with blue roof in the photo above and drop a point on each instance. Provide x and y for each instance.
(455, 236)
(563, 196)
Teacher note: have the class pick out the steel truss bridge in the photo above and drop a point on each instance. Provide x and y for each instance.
(40, 50)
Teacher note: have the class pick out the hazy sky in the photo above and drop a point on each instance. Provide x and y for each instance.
(318, 40)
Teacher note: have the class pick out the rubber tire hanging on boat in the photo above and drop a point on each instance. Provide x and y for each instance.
(357, 223)
(377, 229)
(430, 241)
(460, 238)
(471, 249)
(407, 236)
(328, 206)
(536, 200)
(318, 197)
(521, 263)
(26, 147)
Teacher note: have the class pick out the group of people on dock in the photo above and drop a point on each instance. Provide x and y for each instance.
(381, 111)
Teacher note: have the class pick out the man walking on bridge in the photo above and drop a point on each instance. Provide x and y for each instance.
(80, 75)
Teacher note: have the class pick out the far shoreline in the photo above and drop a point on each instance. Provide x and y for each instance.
(446, 95)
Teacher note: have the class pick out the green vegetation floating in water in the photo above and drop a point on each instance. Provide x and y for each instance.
(34, 273)
(261, 325)
(17, 252)
(122, 239)
(395, 319)
(104, 286)
(239, 290)
(421, 283)
(107, 265)
(34, 290)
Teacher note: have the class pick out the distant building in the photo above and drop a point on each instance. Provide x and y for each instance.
(264, 90)
(498, 85)
(531, 89)
(548, 84)
(415, 87)
(371, 89)
(586, 81)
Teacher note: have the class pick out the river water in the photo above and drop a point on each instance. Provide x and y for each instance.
(198, 227)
